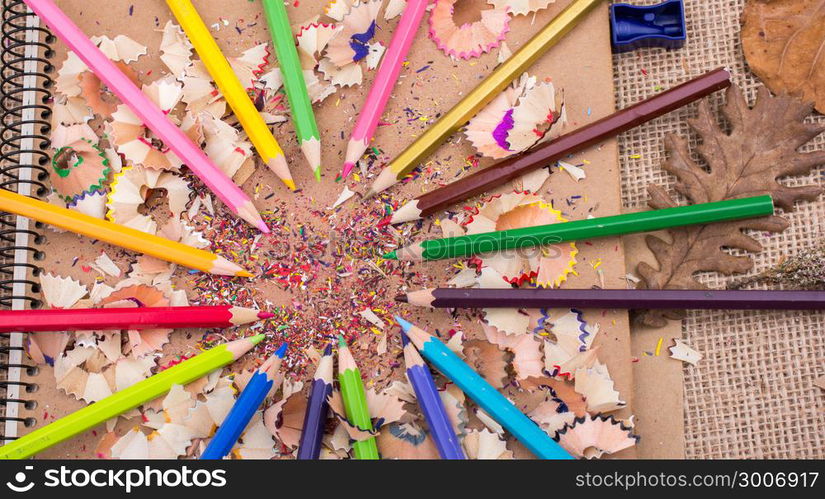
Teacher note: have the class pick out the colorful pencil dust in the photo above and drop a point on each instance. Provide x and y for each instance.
(127, 399)
(317, 410)
(108, 319)
(431, 404)
(384, 82)
(245, 407)
(355, 401)
(484, 394)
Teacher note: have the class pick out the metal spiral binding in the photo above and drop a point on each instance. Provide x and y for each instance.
(15, 70)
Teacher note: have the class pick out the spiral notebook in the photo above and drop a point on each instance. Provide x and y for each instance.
(24, 53)
(29, 396)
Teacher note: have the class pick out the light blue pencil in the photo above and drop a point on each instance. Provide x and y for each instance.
(488, 398)
(248, 402)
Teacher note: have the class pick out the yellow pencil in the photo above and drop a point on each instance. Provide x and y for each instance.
(118, 235)
(235, 94)
(480, 96)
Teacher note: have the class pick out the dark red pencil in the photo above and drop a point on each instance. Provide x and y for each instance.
(83, 319)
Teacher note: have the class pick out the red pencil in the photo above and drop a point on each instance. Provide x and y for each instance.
(83, 319)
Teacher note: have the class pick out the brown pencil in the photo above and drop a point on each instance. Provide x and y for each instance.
(588, 135)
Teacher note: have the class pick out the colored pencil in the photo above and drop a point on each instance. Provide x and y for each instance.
(127, 399)
(94, 319)
(315, 417)
(245, 406)
(628, 223)
(705, 299)
(118, 235)
(355, 400)
(441, 429)
(155, 119)
(488, 398)
(303, 117)
(384, 82)
(480, 96)
(233, 91)
(485, 180)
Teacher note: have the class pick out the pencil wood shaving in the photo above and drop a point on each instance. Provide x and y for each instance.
(350, 42)
(285, 419)
(596, 385)
(747, 161)
(175, 49)
(80, 167)
(782, 41)
(406, 441)
(130, 190)
(521, 7)
(547, 265)
(681, 351)
(552, 415)
(471, 39)
(528, 359)
(488, 360)
(484, 444)
(394, 9)
(591, 437)
(255, 442)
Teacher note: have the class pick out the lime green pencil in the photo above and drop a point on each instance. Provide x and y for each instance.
(355, 400)
(296, 88)
(125, 400)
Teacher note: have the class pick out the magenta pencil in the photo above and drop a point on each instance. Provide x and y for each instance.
(148, 113)
(385, 80)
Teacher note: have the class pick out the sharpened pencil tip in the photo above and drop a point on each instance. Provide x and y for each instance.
(402, 298)
(263, 227)
(390, 255)
(290, 184)
(405, 340)
(317, 173)
(244, 273)
(281, 352)
(406, 326)
(347, 170)
(328, 349)
(265, 315)
(257, 338)
(341, 341)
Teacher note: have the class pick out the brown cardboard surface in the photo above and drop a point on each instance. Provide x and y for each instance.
(580, 65)
(658, 380)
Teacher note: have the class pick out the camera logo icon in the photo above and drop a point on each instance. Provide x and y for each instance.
(20, 481)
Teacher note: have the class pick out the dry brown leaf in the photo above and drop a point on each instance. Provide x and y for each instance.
(784, 44)
(760, 148)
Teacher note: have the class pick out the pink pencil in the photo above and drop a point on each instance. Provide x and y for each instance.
(385, 80)
(147, 111)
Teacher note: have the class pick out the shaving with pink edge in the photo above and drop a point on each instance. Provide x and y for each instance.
(471, 39)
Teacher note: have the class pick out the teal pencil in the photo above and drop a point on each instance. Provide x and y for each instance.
(485, 395)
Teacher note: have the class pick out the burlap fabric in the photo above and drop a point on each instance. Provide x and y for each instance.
(752, 396)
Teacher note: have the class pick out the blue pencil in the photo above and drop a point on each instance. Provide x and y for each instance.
(246, 405)
(487, 397)
(430, 402)
(315, 417)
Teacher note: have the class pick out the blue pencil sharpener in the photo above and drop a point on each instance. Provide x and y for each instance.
(635, 26)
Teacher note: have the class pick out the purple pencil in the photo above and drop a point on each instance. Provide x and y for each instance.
(430, 402)
(315, 417)
(705, 299)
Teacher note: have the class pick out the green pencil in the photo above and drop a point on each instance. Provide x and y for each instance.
(355, 400)
(127, 399)
(473, 244)
(296, 88)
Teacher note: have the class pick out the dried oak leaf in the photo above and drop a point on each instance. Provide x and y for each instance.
(760, 148)
(784, 44)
